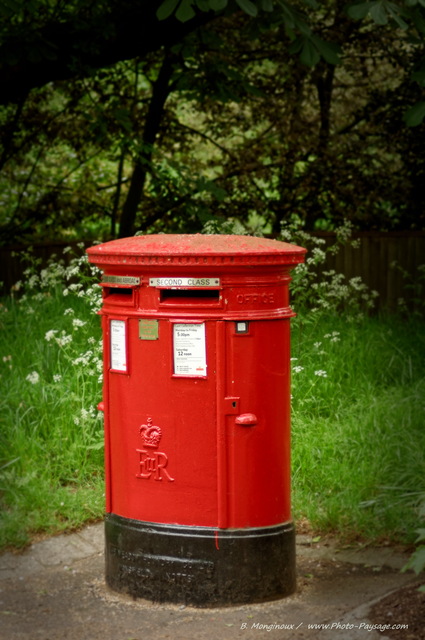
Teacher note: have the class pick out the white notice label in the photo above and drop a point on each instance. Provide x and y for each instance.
(189, 350)
(118, 346)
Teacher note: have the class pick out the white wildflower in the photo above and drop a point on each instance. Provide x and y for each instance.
(334, 336)
(50, 334)
(63, 339)
(17, 286)
(57, 377)
(321, 373)
(298, 369)
(76, 322)
(32, 282)
(33, 377)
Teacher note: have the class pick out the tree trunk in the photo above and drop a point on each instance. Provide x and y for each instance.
(324, 84)
(160, 93)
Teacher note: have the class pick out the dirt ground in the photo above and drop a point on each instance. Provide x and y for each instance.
(406, 605)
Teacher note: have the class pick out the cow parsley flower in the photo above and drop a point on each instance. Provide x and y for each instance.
(76, 322)
(33, 377)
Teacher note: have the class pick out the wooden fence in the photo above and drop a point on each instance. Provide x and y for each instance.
(388, 263)
(373, 261)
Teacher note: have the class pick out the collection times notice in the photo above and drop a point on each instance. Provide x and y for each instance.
(189, 350)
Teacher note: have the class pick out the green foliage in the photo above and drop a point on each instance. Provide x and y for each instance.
(314, 289)
(309, 45)
(409, 17)
(51, 460)
(417, 559)
(312, 48)
(267, 125)
(356, 386)
(415, 115)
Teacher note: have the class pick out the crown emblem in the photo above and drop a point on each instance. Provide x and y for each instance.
(151, 434)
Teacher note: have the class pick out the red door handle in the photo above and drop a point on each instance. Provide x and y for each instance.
(246, 420)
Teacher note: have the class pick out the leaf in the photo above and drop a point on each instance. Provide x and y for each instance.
(379, 13)
(166, 9)
(248, 6)
(218, 5)
(421, 536)
(185, 11)
(328, 50)
(309, 54)
(415, 115)
(122, 116)
(209, 186)
(394, 11)
(96, 447)
(9, 463)
(359, 11)
(416, 561)
(267, 5)
(296, 45)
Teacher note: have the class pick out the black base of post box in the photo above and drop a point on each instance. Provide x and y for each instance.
(199, 566)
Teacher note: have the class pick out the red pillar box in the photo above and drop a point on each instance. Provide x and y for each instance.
(197, 417)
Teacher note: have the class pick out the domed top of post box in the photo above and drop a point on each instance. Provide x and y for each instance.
(186, 249)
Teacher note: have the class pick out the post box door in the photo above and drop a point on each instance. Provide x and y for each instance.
(258, 434)
(162, 424)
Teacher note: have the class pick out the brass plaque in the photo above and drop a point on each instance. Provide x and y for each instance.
(118, 280)
(148, 329)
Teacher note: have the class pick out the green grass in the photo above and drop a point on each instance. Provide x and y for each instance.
(358, 444)
(359, 433)
(51, 458)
